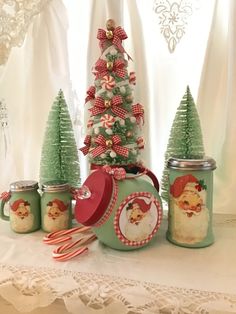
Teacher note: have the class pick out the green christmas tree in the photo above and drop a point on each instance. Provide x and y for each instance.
(185, 139)
(59, 158)
(115, 122)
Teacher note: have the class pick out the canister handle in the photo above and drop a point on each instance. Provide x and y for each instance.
(152, 176)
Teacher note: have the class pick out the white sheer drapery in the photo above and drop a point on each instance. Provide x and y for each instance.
(204, 59)
(217, 99)
(29, 83)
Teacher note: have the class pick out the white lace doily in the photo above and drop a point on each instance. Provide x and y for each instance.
(15, 18)
(28, 289)
(31, 287)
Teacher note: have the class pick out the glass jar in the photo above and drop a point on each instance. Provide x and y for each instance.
(124, 210)
(56, 206)
(24, 207)
(190, 202)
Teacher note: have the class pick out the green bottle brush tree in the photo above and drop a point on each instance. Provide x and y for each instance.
(59, 157)
(185, 139)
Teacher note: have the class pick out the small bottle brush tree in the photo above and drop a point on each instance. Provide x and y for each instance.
(185, 139)
(114, 126)
(59, 158)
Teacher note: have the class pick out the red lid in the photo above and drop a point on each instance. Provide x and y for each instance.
(89, 211)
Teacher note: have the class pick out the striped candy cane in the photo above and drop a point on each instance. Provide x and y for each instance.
(60, 253)
(63, 235)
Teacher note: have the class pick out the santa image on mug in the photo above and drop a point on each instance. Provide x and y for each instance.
(56, 216)
(140, 222)
(189, 216)
(21, 217)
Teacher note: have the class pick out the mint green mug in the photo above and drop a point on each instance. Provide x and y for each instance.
(24, 207)
(56, 206)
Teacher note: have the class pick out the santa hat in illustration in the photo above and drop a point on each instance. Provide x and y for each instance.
(59, 204)
(187, 182)
(16, 204)
(142, 204)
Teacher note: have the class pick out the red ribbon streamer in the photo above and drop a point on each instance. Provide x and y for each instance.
(117, 173)
(90, 93)
(87, 143)
(138, 112)
(118, 68)
(102, 147)
(116, 101)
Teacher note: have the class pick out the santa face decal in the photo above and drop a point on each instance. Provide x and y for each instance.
(21, 217)
(56, 216)
(190, 217)
(137, 219)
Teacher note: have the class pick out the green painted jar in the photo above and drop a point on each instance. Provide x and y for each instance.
(56, 206)
(124, 210)
(24, 207)
(190, 202)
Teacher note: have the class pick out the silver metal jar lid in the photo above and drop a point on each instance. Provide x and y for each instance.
(24, 185)
(55, 186)
(206, 163)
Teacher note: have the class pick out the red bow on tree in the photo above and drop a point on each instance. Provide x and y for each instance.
(87, 143)
(105, 144)
(138, 112)
(116, 36)
(117, 67)
(90, 94)
(102, 105)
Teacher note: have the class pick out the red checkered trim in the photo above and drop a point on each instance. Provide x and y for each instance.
(111, 206)
(121, 207)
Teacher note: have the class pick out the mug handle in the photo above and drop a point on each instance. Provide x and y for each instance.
(3, 199)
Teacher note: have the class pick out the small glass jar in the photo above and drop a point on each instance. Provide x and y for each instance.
(56, 212)
(24, 207)
(190, 202)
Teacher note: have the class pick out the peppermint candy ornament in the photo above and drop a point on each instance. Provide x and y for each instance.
(108, 82)
(107, 121)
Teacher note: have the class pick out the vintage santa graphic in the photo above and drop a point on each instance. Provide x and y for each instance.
(190, 217)
(22, 219)
(140, 222)
(56, 216)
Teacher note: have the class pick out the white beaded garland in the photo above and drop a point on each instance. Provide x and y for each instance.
(132, 119)
(122, 122)
(96, 130)
(122, 90)
(113, 51)
(103, 156)
(109, 131)
(109, 95)
(112, 154)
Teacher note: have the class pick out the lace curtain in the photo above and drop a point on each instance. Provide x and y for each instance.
(15, 18)
(29, 83)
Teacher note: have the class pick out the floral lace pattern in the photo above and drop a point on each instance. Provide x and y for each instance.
(15, 18)
(173, 19)
(28, 289)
